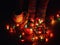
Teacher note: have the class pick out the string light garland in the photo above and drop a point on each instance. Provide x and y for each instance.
(32, 30)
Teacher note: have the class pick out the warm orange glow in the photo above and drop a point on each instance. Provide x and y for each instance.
(58, 16)
(29, 31)
(40, 21)
(7, 27)
(17, 24)
(36, 37)
(46, 39)
(22, 25)
(41, 37)
(51, 34)
(23, 33)
(39, 32)
(19, 18)
(33, 39)
(53, 22)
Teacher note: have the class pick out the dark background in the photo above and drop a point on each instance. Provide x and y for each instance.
(9, 6)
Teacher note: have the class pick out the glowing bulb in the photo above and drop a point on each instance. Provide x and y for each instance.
(51, 35)
(19, 18)
(7, 27)
(22, 40)
(23, 33)
(25, 26)
(41, 37)
(39, 32)
(58, 16)
(31, 30)
(36, 37)
(33, 38)
(17, 25)
(20, 36)
(53, 22)
(46, 39)
(40, 21)
(37, 24)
